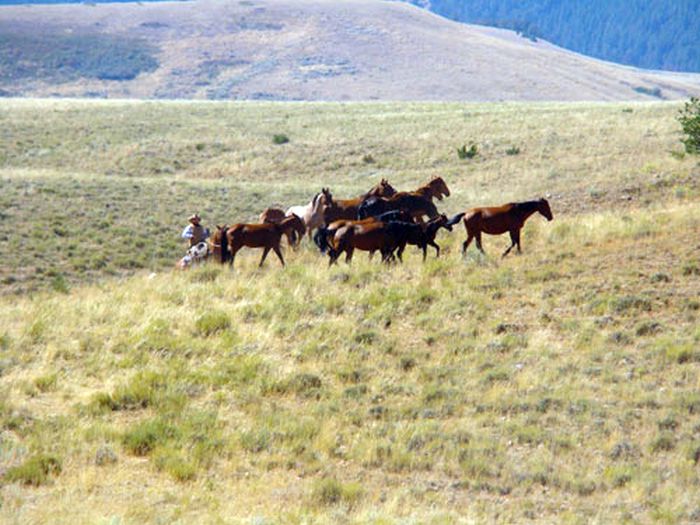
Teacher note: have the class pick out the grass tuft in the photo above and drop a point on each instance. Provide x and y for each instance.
(34, 471)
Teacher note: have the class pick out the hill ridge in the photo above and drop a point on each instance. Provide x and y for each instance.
(309, 50)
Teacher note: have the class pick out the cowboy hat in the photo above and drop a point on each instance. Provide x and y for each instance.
(195, 217)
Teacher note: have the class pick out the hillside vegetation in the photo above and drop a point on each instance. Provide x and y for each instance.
(308, 50)
(658, 34)
(556, 386)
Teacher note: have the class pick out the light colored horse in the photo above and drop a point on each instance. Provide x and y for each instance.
(311, 214)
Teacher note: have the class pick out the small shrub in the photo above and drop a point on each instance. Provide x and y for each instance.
(303, 383)
(255, 440)
(212, 323)
(59, 284)
(35, 471)
(407, 363)
(513, 150)
(329, 491)
(663, 442)
(46, 383)
(280, 138)
(464, 153)
(689, 119)
(142, 438)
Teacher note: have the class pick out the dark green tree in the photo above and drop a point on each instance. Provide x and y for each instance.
(689, 118)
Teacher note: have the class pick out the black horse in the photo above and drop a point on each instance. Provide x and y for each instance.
(415, 205)
(420, 235)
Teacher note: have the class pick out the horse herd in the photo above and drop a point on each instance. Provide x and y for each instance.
(383, 220)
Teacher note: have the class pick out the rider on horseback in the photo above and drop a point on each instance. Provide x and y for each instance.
(194, 231)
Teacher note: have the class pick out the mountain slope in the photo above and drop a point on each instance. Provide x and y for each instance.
(306, 50)
(658, 34)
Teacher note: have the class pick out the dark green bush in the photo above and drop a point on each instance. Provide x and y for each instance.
(464, 153)
(690, 122)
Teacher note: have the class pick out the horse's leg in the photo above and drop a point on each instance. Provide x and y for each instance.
(466, 243)
(348, 254)
(478, 243)
(513, 242)
(277, 250)
(517, 240)
(434, 245)
(265, 252)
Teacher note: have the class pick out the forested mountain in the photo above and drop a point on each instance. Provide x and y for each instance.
(655, 34)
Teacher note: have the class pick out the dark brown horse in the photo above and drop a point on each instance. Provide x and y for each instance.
(228, 241)
(415, 205)
(436, 188)
(347, 208)
(275, 216)
(371, 236)
(500, 219)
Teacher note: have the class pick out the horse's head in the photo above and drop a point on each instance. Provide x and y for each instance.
(439, 188)
(326, 198)
(544, 209)
(385, 189)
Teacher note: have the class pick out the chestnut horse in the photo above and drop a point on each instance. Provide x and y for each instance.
(371, 236)
(323, 234)
(436, 188)
(500, 219)
(275, 215)
(228, 241)
(347, 208)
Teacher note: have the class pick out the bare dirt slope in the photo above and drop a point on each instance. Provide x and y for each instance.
(330, 50)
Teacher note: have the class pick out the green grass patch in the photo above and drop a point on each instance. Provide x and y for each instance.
(37, 470)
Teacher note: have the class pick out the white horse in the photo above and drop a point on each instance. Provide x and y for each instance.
(311, 214)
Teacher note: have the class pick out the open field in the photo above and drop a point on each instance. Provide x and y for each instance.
(94, 188)
(557, 386)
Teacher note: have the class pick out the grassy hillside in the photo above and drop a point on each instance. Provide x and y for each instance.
(560, 385)
(303, 50)
(94, 188)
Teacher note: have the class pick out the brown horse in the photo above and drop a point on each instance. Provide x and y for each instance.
(436, 188)
(275, 216)
(369, 237)
(228, 241)
(500, 219)
(347, 208)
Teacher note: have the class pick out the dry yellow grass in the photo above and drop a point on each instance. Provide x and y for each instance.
(556, 386)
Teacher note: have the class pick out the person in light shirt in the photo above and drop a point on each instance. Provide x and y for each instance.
(195, 232)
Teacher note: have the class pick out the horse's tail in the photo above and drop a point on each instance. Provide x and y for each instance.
(455, 219)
